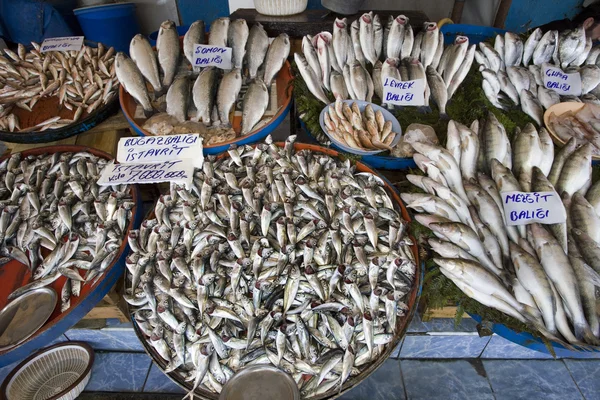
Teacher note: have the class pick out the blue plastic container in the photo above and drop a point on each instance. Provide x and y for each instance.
(475, 33)
(111, 24)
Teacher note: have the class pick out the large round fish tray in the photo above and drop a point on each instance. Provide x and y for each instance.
(402, 323)
(14, 275)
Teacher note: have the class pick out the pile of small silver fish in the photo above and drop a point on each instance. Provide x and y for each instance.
(542, 275)
(58, 222)
(214, 92)
(515, 69)
(272, 256)
(82, 80)
(583, 125)
(338, 62)
(366, 130)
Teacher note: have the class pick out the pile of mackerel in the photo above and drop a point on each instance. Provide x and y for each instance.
(274, 255)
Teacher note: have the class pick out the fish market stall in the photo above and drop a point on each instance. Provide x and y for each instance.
(60, 232)
(319, 282)
(250, 102)
(51, 95)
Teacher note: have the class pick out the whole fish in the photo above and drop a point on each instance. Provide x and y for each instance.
(196, 34)
(513, 49)
(429, 43)
(367, 38)
(255, 104)
(559, 161)
(395, 38)
(584, 217)
(309, 76)
(219, 31)
(324, 61)
(540, 183)
(359, 80)
(531, 106)
(407, 42)
(310, 54)
(356, 44)
(455, 56)
(570, 44)
(547, 97)
(256, 49)
(496, 144)
(338, 85)
(177, 98)
(439, 92)
(576, 171)
(133, 81)
(526, 155)
(377, 36)
(545, 48)
(341, 40)
(167, 44)
(462, 72)
(377, 82)
(237, 37)
(278, 52)
(204, 93)
(530, 45)
(144, 57)
(227, 94)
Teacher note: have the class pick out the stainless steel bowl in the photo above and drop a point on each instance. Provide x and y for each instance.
(260, 382)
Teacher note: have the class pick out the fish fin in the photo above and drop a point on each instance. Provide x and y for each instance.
(583, 331)
(444, 117)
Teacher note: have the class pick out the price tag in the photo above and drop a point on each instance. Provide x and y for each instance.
(561, 82)
(404, 93)
(179, 171)
(206, 56)
(66, 43)
(522, 208)
(149, 149)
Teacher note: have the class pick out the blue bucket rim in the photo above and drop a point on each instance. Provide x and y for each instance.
(89, 9)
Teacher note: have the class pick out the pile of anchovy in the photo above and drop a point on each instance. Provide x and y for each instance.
(58, 222)
(82, 80)
(272, 256)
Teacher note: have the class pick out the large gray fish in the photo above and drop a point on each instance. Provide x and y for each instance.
(204, 94)
(310, 78)
(256, 101)
(462, 72)
(341, 40)
(408, 41)
(527, 154)
(338, 85)
(144, 57)
(530, 45)
(278, 52)
(219, 30)
(321, 44)
(570, 41)
(133, 81)
(377, 82)
(227, 94)
(377, 36)
(582, 55)
(169, 51)
(359, 79)
(196, 34)
(178, 97)
(237, 38)
(455, 56)
(496, 144)
(429, 43)
(590, 78)
(545, 48)
(593, 197)
(395, 37)
(492, 56)
(367, 38)
(390, 70)
(439, 92)
(310, 54)
(256, 49)
(547, 97)
(356, 45)
(540, 183)
(559, 161)
(584, 217)
(513, 49)
(577, 171)
(531, 106)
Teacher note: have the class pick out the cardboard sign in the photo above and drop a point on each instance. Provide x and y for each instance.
(522, 208)
(179, 171)
(404, 93)
(66, 43)
(149, 149)
(206, 56)
(562, 83)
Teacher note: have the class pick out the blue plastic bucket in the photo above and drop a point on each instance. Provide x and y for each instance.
(475, 33)
(111, 24)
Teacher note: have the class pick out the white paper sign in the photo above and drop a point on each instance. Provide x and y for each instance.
(404, 93)
(562, 83)
(66, 43)
(149, 149)
(522, 208)
(206, 56)
(180, 171)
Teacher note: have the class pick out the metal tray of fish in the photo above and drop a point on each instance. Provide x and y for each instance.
(156, 314)
(376, 161)
(16, 274)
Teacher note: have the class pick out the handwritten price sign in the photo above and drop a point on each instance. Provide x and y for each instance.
(216, 56)
(522, 208)
(404, 93)
(562, 83)
(149, 149)
(180, 171)
(66, 43)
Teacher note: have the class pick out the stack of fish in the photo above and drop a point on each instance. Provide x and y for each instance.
(515, 69)
(82, 80)
(353, 128)
(214, 92)
(273, 256)
(57, 221)
(538, 274)
(338, 62)
(582, 125)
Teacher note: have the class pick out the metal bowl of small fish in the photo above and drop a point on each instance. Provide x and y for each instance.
(242, 105)
(60, 230)
(269, 258)
(50, 96)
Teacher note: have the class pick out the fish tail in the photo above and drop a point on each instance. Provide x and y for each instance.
(584, 332)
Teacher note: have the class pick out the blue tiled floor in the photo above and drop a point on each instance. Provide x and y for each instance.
(119, 372)
(157, 382)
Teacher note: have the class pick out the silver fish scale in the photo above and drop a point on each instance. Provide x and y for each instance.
(280, 256)
(80, 225)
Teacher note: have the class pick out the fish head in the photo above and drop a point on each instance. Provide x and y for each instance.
(429, 26)
(402, 19)
(461, 39)
(366, 18)
(341, 23)
(168, 24)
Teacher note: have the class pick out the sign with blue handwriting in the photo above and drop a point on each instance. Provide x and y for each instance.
(403, 93)
(522, 208)
(561, 82)
(179, 171)
(149, 149)
(66, 43)
(217, 56)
